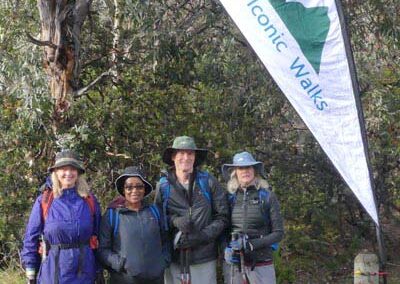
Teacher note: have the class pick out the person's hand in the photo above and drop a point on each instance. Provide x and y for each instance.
(231, 256)
(183, 224)
(236, 244)
(99, 278)
(122, 268)
(30, 275)
(192, 240)
(241, 243)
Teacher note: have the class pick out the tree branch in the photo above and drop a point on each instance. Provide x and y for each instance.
(84, 90)
(40, 42)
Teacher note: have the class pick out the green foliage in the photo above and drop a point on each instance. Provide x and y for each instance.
(11, 276)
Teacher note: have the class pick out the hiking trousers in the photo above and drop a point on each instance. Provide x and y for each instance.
(200, 273)
(121, 278)
(260, 275)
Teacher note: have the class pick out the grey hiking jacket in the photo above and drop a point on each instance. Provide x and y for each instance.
(211, 218)
(135, 248)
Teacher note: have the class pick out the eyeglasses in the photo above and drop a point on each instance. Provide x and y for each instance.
(132, 187)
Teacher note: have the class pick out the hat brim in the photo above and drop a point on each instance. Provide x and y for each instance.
(228, 168)
(201, 155)
(120, 181)
(74, 164)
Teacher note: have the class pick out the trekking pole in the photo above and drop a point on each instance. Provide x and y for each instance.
(181, 260)
(186, 258)
(232, 272)
(245, 278)
(232, 264)
(187, 266)
(188, 250)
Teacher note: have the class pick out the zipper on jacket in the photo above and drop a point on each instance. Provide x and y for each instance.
(139, 216)
(245, 206)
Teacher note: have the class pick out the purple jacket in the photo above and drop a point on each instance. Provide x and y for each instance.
(69, 222)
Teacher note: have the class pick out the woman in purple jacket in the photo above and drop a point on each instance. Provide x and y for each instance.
(61, 235)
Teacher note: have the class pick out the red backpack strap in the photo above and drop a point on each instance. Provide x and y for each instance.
(91, 203)
(47, 199)
(93, 242)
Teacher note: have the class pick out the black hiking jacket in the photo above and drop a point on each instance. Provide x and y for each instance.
(211, 218)
(248, 216)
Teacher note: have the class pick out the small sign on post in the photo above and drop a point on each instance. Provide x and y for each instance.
(366, 268)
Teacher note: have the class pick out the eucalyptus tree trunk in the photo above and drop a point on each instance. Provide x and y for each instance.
(61, 23)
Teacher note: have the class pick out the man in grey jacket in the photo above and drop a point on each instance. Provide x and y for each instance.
(197, 213)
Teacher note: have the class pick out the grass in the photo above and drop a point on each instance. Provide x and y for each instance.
(11, 276)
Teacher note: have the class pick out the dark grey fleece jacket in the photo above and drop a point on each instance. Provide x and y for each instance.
(135, 249)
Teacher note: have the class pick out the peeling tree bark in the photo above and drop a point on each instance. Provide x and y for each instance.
(61, 23)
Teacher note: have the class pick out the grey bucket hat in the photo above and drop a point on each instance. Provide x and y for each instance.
(132, 172)
(243, 159)
(184, 143)
(67, 158)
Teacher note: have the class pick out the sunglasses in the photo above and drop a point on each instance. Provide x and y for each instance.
(132, 187)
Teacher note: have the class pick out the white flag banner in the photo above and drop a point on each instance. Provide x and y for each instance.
(302, 45)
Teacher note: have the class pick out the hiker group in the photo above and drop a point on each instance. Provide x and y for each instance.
(174, 238)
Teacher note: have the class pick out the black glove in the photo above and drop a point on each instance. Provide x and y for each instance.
(183, 224)
(257, 243)
(99, 278)
(192, 240)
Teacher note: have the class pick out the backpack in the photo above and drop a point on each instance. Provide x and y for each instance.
(113, 217)
(165, 188)
(263, 196)
(47, 200)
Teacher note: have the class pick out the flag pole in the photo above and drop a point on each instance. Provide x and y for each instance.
(354, 79)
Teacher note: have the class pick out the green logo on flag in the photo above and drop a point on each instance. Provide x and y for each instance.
(309, 26)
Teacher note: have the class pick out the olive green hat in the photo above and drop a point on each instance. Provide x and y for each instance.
(67, 158)
(184, 143)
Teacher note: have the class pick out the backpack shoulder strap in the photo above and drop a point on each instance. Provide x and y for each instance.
(113, 218)
(202, 180)
(91, 203)
(231, 199)
(164, 187)
(263, 196)
(47, 200)
(156, 213)
(165, 190)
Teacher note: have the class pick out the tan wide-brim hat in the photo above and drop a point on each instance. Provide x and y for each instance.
(184, 143)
